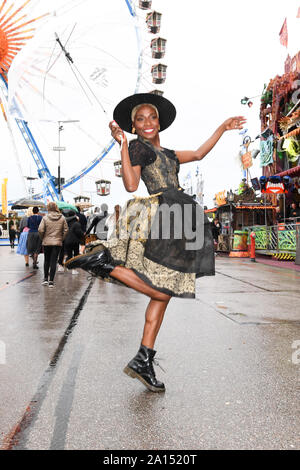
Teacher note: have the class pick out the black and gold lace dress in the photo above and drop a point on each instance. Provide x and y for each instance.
(164, 238)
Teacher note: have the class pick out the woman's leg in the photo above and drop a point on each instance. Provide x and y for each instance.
(47, 257)
(11, 239)
(154, 317)
(69, 251)
(61, 254)
(34, 259)
(141, 366)
(128, 277)
(53, 261)
(76, 249)
(26, 257)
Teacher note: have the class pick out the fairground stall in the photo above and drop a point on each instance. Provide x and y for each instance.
(241, 214)
(280, 154)
(238, 214)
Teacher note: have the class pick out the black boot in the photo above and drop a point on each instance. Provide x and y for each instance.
(99, 264)
(141, 367)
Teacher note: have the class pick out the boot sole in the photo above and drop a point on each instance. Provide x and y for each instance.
(131, 373)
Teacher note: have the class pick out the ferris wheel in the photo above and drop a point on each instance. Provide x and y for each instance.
(68, 72)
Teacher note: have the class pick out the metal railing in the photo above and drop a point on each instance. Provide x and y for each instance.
(5, 234)
(281, 238)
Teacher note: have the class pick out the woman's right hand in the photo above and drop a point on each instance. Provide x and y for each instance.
(117, 132)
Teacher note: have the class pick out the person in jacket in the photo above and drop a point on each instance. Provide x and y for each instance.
(82, 219)
(74, 237)
(52, 230)
(83, 222)
(12, 233)
(216, 229)
(294, 211)
(34, 243)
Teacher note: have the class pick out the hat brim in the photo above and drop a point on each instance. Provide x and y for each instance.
(122, 112)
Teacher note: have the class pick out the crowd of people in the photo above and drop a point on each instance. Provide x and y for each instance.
(59, 235)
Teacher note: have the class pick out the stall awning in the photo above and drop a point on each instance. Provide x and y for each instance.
(291, 172)
(262, 207)
(256, 207)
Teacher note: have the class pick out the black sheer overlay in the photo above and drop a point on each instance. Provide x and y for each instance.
(180, 237)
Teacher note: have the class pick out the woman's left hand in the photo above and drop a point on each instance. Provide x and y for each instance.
(234, 123)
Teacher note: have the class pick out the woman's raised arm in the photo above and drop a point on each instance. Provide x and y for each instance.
(131, 174)
(186, 156)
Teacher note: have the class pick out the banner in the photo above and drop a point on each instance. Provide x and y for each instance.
(247, 160)
(275, 184)
(221, 198)
(4, 197)
(283, 35)
(266, 151)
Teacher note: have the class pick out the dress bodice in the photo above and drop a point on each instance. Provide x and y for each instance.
(160, 167)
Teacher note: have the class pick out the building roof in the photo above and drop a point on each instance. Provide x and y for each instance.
(291, 172)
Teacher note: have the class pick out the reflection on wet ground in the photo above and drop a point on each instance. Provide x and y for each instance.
(230, 377)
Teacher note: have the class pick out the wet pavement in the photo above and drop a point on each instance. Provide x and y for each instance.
(232, 371)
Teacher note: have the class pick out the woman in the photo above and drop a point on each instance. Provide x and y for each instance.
(22, 248)
(147, 260)
(12, 233)
(52, 230)
(34, 243)
(74, 237)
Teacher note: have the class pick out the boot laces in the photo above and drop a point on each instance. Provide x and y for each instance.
(155, 361)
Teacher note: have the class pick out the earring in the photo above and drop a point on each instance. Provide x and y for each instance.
(133, 130)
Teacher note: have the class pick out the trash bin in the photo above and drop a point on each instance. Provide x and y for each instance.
(240, 244)
(240, 240)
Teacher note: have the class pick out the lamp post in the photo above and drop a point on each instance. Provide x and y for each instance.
(230, 199)
(61, 128)
(30, 179)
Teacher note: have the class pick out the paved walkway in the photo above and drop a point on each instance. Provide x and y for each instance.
(230, 361)
(278, 263)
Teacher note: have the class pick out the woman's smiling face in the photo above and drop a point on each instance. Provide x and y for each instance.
(146, 122)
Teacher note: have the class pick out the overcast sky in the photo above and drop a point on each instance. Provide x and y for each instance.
(217, 52)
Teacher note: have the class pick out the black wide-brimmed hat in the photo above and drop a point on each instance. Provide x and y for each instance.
(166, 110)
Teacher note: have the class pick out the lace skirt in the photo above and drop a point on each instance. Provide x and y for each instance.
(154, 247)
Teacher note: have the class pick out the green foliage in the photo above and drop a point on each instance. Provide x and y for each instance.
(267, 96)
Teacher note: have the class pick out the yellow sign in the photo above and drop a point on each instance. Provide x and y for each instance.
(4, 197)
(221, 198)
